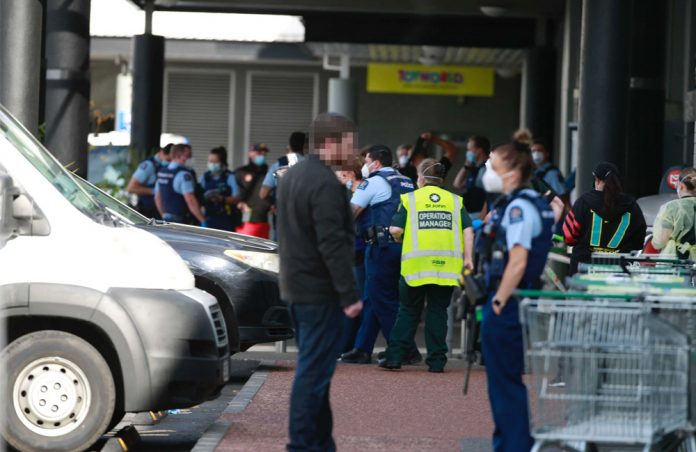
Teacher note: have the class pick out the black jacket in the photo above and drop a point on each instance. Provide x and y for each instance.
(316, 236)
(249, 179)
(610, 236)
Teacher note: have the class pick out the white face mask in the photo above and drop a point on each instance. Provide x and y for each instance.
(190, 163)
(403, 161)
(492, 182)
(538, 157)
(365, 171)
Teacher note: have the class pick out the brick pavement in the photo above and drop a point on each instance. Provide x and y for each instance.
(375, 410)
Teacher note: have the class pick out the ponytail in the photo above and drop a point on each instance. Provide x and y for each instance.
(612, 192)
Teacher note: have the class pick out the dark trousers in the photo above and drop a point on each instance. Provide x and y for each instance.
(382, 271)
(413, 299)
(222, 222)
(503, 351)
(318, 330)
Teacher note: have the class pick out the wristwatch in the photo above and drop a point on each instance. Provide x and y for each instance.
(497, 302)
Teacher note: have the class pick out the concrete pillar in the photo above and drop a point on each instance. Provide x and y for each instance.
(604, 81)
(343, 97)
(20, 59)
(343, 94)
(148, 87)
(538, 88)
(569, 79)
(67, 82)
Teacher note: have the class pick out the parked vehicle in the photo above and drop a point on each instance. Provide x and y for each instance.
(102, 317)
(239, 270)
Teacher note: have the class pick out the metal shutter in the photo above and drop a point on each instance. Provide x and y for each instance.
(279, 104)
(198, 107)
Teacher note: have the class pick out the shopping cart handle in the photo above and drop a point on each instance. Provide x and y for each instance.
(524, 293)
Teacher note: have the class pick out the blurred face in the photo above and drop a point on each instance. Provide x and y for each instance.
(510, 177)
(258, 157)
(539, 154)
(214, 158)
(339, 154)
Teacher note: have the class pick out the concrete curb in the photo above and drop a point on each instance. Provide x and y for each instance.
(216, 432)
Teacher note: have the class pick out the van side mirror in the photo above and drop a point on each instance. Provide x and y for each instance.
(9, 226)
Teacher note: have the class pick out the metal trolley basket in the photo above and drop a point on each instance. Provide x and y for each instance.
(604, 372)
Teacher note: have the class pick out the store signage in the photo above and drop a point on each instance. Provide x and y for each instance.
(435, 80)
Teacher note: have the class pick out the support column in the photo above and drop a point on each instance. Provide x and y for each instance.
(342, 90)
(604, 79)
(67, 82)
(569, 82)
(642, 160)
(538, 100)
(148, 87)
(20, 59)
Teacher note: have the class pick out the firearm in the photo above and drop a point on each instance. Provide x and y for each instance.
(473, 295)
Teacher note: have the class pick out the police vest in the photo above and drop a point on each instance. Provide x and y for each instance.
(173, 203)
(433, 246)
(495, 258)
(222, 187)
(148, 201)
(380, 215)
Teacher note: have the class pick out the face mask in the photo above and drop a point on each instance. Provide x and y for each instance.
(538, 157)
(190, 163)
(349, 184)
(492, 182)
(214, 167)
(470, 157)
(403, 161)
(260, 160)
(365, 171)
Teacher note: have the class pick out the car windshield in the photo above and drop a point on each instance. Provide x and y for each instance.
(48, 166)
(117, 207)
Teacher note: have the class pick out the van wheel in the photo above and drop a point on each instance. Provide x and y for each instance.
(59, 392)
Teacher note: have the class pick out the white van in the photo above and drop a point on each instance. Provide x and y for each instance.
(102, 318)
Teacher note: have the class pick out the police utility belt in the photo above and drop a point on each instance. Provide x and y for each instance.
(378, 235)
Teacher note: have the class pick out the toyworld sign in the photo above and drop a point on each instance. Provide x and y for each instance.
(436, 80)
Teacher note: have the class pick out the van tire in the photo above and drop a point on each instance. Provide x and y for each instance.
(51, 372)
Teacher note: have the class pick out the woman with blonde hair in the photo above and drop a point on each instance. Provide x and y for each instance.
(674, 230)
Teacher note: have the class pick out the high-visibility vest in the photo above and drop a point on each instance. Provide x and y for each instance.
(433, 243)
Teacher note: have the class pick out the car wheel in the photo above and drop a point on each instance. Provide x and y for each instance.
(59, 392)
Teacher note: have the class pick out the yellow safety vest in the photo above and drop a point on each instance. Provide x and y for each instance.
(433, 248)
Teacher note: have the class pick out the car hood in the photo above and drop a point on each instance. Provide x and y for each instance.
(194, 237)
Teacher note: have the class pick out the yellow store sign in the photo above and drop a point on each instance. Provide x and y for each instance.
(435, 80)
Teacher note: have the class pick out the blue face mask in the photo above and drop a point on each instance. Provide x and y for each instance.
(260, 160)
(214, 167)
(470, 157)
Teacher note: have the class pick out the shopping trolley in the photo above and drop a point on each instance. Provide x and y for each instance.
(604, 372)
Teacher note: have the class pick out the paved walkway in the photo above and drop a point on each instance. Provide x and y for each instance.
(375, 410)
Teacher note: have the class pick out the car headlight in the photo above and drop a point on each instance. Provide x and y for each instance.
(263, 261)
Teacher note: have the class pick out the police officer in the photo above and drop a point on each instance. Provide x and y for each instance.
(437, 244)
(143, 181)
(175, 191)
(220, 193)
(377, 199)
(514, 246)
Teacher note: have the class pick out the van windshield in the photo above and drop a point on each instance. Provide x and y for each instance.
(126, 213)
(48, 166)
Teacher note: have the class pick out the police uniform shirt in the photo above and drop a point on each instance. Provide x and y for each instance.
(146, 173)
(183, 181)
(373, 190)
(401, 217)
(270, 180)
(231, 182)
(522, 223)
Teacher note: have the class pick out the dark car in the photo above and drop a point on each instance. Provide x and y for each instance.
(239, 270)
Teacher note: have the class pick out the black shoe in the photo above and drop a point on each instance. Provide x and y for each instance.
(436, 371)
(356, 356)
(381, 355)
(413, 358)
(389, 365)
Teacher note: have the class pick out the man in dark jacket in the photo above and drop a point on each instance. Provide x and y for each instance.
(316, 239)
